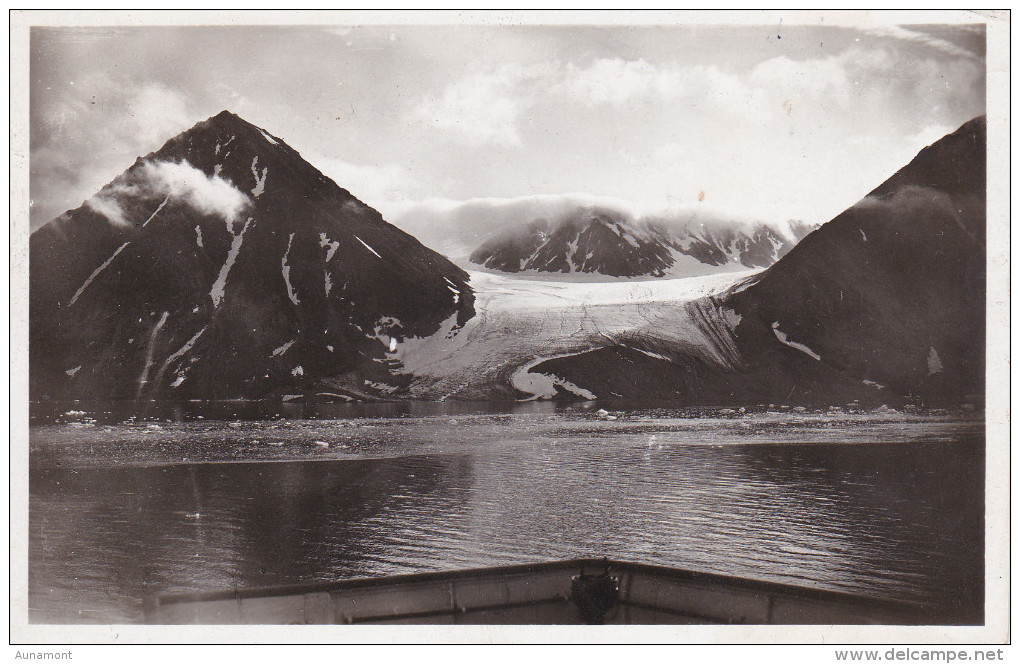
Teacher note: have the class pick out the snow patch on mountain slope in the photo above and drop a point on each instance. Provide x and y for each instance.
(934, 361)
(544, 386)
(381, 387)
(268, 137)
(106, 263)
(574, 389)
(657, 356)
(283, 349)
(198, 236)
(150, 352)
(386, 331)
(453, 289)
(793, 344)
(367, 247)
(95, 273)
(571, 250)
(188, 345)
(153, 215)
(260, 180)
(731, 317)
(218, 287)
(285, 270)
(629, 239)
(329, 245)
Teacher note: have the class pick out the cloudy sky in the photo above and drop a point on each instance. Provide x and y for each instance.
(773, 122)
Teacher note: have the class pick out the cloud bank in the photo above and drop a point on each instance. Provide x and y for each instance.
(731, 116)
(457, 228)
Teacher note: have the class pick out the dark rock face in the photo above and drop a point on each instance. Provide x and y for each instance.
(602, 241)
(224, 265)
(893, 289)
(884, 303)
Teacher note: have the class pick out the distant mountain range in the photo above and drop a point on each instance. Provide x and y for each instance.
(603, 241)
(884, 302)
(222, 266)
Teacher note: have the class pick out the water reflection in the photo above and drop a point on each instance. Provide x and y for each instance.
(903, 520)
(101, 539)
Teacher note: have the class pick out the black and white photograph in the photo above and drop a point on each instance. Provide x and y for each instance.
(543, 319)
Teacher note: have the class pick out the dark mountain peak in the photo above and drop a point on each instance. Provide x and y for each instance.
(891, 292)
(227, 133)
(602, 240)
(225, 123)
(257, 164)
(955, 164)
(225, 265)
(227, 120)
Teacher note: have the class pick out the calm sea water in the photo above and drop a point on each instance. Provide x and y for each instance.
(887, 506)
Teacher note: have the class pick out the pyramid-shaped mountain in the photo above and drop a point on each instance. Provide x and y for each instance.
(226, 266)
